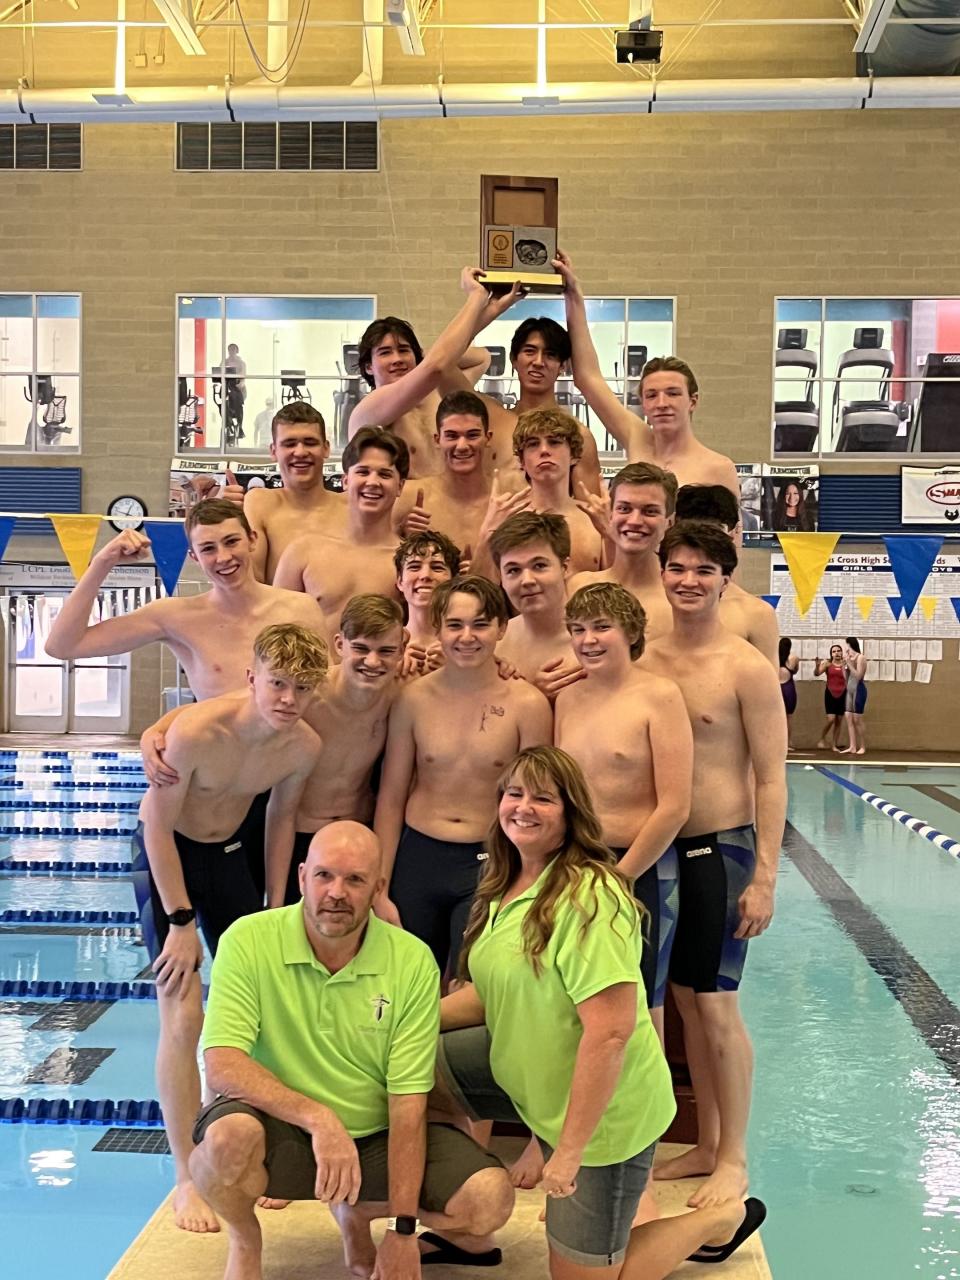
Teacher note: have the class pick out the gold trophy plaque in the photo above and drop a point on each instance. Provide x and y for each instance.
(518, 219)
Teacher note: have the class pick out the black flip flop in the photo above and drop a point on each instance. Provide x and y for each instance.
(453, 1256)
(756, 1212)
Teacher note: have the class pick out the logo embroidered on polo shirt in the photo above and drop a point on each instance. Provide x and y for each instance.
(379, 1003)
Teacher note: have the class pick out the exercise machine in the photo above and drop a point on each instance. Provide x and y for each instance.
(348, 397)
(188, 416)
(868, 426)
(53, 423)
(936, 422)
(796, 423)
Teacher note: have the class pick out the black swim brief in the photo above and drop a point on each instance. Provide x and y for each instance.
(218, 882)
(432, 887)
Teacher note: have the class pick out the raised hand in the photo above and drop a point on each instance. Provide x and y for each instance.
(231, 489)
(498, 303)
(417, 519)
(471, 280)
(129, 545)
(564, 267)
(596, 506)
(501, 506)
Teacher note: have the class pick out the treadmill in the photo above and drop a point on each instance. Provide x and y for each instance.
(796, 423)
(936, 424)
(868, 426)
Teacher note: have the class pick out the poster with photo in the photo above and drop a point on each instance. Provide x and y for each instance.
(751, 492)
(790, 500)
(192, 479)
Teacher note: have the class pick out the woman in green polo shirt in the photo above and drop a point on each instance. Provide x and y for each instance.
(548, 1026)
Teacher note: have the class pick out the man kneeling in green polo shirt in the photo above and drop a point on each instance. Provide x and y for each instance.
(320, 1040)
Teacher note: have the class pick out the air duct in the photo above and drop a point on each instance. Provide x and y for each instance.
(530, 101)
(919, 50)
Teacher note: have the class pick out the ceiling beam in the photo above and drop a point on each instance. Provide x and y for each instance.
(874, 24)
(178, 15)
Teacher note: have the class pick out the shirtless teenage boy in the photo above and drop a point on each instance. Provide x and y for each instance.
(423, 561)
(454, 502)
(532, 556)
(668, 398)
(642, 498)
(189, 858)
(358, 558)
(211, 634)
(404, 378)
(539, 350)
(451, 734)
(547, 444)
(300, 448)
(740, 612)
(628, 730)
(727, 849)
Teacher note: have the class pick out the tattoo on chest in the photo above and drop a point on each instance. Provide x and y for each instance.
(490, 710)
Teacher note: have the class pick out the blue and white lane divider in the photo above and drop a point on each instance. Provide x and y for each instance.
(917, 825)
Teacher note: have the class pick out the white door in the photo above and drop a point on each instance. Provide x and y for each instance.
(46, 695)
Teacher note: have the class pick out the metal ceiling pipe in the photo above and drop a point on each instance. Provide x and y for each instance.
(919, 50)
(388, 102)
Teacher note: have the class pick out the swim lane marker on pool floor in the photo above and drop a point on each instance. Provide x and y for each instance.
(917, 825)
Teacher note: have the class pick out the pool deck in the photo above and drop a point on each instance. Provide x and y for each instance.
(302, 1243)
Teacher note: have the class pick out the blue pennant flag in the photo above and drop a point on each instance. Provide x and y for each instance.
(911, 560)
(772, 601)
(169, 544)
(955, 601)
(6, 528)
(896, 606)
(833, 604)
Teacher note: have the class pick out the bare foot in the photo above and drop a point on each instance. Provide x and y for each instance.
(271, 1202)
(191, 1212)
(244, 1258)
(695, 1163)
(359, 1251)
(842, 751)
(527, 1171)
(821, 745)
(861, 751)
(647, 1210)
(727, 1182)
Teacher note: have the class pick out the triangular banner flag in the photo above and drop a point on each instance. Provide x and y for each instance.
(772, 601)
(928, 606)
(833, 604)
(865, 606)
(169, 543)
(77, 535)
(955, 601)
(807, 555)
(896, 606)
(911, 560)
(6, 528)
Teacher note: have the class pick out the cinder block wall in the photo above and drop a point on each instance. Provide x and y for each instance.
(725, 211)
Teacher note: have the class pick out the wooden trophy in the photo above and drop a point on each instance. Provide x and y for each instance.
(518, 220)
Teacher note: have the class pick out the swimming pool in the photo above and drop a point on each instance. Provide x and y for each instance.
(851, 999)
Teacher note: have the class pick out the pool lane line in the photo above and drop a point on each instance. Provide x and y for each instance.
(127, 1112)
(917, 825)
(39, 916)
(931, 1011)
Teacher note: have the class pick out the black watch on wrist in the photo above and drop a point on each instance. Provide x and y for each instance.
(182, 916)
(404, 1224)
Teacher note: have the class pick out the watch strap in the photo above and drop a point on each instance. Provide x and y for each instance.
(182, 916)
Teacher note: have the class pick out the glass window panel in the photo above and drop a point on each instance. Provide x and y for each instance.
(16, 411)
(58, 334)
(98, 691)
(38, 691)
(197, 418)
(199, 335)
(16, 333)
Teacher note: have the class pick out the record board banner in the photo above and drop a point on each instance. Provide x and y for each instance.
(929, 495)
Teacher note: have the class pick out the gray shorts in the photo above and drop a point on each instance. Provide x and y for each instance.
(452, 1158)
(591, 1227)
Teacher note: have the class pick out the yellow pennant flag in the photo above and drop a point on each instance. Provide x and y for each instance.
(807, 555)
(865, 606)
(928, 606)
(77, 536)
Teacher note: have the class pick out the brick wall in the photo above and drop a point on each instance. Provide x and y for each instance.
(725, 211)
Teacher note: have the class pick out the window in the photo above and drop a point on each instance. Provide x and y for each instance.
(240, 358)
(41, 146)
(876, 376)
(40, 372)
(294, 144)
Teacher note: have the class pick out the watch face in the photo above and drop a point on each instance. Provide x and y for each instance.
(126, 512)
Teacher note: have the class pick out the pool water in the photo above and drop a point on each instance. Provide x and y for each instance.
(850, 998)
